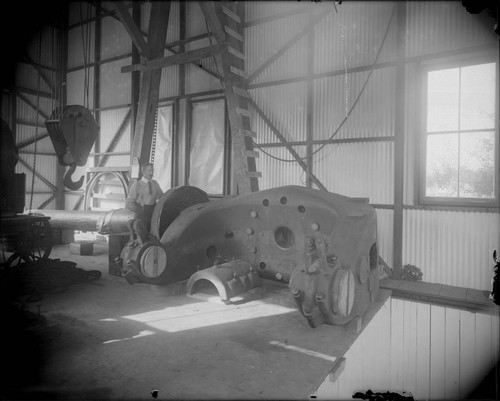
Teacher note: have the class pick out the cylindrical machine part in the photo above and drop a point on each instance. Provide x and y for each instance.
(109, 222)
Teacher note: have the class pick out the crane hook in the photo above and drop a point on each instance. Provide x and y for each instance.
(69, 183)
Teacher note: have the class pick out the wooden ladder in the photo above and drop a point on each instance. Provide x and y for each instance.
(225, 23)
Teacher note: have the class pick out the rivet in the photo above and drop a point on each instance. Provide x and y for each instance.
(249, 231)
(279, 276)
(315, 226)
(254, 214)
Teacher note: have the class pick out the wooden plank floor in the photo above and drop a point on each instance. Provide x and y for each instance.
(116, 341)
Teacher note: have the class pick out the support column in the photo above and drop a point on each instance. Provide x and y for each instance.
(309, 104)
(150, 84)
(136, 75)
(399, 132)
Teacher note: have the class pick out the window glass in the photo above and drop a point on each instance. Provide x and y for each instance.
(460, 137)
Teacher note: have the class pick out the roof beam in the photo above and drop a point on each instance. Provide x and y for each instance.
(285, 142)
(309, 27)
(181, 58)
(131, 27)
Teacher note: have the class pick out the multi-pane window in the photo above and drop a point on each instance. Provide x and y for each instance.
(460, 138)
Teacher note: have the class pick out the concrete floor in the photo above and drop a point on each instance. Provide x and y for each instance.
(107, 339)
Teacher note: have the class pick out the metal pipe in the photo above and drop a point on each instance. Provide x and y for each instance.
(106, 222)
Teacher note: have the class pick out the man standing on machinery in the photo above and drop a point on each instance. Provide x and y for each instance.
(143, 195)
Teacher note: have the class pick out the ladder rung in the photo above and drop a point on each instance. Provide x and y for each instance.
(236, 53)
(256, 174)
(231, 14)
(251, 153)
(237, 71)
(243, 112)
(241, 92)
(233, 33)
(246, 132)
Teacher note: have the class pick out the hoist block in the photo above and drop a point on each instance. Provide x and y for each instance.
(73, 131)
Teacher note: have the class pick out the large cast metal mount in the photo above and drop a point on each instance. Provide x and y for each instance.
(322, 244)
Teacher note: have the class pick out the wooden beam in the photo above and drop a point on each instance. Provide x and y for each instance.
(181, 58)
(38, 175)
(284, 141)
(309, 104)
(208, 9)
(150, 84)
(399, 144)
(28, 102)
(41, 73)
(116, 138)
(276, 17)
(46, 203)
(310, 26)
(329, 141)
(33, 92)
(132, 28)
(136, 75)
(32, 140)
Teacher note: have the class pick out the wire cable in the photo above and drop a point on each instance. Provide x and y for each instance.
(353, 105)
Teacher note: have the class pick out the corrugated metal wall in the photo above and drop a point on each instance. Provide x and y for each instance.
(430, 351)
(348, 37)
(453, 248)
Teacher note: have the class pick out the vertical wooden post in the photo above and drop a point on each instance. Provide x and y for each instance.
(399, 132)
(61, 199)
(97, 68)
(136, 75)
(179, 133)
(309, 103)
(150, 83)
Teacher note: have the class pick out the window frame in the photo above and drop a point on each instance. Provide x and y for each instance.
(422, 198)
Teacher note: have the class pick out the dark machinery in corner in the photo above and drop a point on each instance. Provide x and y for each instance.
(22, 237)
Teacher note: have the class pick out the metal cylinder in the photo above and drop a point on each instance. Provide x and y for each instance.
(108, 222)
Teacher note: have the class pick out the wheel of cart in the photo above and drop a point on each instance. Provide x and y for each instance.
(27, 238)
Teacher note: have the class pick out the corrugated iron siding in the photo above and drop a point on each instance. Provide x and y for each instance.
(75, 84)
(169, 84)
(260, 9)
(110, 122)
(75, 45)
(451, 247)
(78, 9)
(45, 165)
(285, 106)
(372, 116)
(27, 77)
(25, 132)
(436, 26)
(264, 40)
(363, 25)
(115, 87)
(173, 21)
(363, 169)
(115, 41)
(276, 173)
(384, 234)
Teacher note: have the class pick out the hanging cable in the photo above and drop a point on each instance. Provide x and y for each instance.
(353, 105)
(39, 56)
